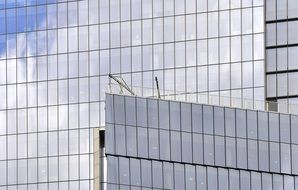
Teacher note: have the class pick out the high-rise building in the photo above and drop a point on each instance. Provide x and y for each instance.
(56, 55)
(160, 144)
(282, 51)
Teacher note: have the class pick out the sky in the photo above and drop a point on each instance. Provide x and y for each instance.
(14, 21)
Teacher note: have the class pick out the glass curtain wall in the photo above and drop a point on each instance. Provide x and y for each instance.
(192, 146)
(281, 52)
(55, 57)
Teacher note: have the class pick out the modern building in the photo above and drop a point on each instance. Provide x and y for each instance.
(160, 144)
(282, 51)
(56, 55)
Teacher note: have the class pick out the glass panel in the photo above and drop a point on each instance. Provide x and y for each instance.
(277, 182)
(152, 113)
(212, 178)
(252, 153)
(201, 178)
(266, 181)
(252, 125)
(256, 181)
(241, 153)
(124, 170)
(142, 142)
(179, 178)
(176, 142)
(293, 89)
(190, 174)
(208, 119)
(131, 141)
(230, 122)
(157, 174)
(141, 112)
(120, 140)
(245, 180)
(234, 179)
(292, 8)
(197, 118)
(220, 151)
(175, 116)
(168, 175)
(146, 173)
(274, 157)
(186, 147)
(285, 134)
(113, 169)
(223, 179)
(263, 156)
(230, 152)
(294, 157)
(153, 144)
(219, 121)
(208, 150)
(186, 117)
(197, 148)
(135, 175)
(164, 144)
(285, 158)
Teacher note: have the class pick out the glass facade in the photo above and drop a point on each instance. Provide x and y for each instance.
(183, 145)
(281, 52)
(55, 57)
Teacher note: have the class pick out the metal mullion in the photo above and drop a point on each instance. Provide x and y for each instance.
(258, 139)
(224, 137)
(279, 143)
(89, 109)
(16, 99)
(48, 152)
(213, 136)
(191, 133)
(180, 133)
(203, 134)
(26, 84)
(57, 85)
(6, 102)
(68, 157)
(141, 46)
(253, 61)
(291, 150)
(246, 139)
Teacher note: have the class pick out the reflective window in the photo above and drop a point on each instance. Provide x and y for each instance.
(274, 157)
(220, 151)
(168, 175)
(174, 116)
(241, 153)
(252, 124)
(208, 119)
(208, 149)
(198, 148)
(263, 156)
(252, 154)
(176, 142)
(146, 173)
(157, 174)
(230, 122)
(219, 121)
(179, 178)
(142, 142)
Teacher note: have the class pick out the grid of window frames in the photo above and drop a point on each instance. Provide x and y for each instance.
(281, 52)
(131, 173)
(164, 134)
(192, 46)
(202, 134)
(55, 57)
